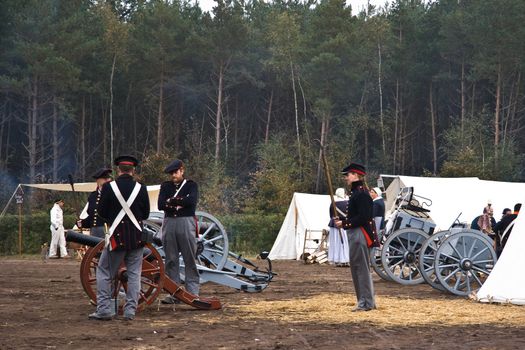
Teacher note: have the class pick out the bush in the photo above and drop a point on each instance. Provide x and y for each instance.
(35, 232)
(251, 233)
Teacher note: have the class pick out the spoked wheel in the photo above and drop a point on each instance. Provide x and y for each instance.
(377, 265)
(428, 256)
(212, 244)
(400, 255)
(152, 275)
(463, 262)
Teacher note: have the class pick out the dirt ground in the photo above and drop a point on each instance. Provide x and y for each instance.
(43, 306)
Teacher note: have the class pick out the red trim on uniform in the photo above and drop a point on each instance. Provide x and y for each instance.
(126, 163)
(368, 240)
(196, 227)
(357, 171)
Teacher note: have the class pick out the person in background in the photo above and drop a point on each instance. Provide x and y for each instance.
(499, 229)
(93, 221)
(378, 209)
(505, 212)
(338, 253)
(57, 231)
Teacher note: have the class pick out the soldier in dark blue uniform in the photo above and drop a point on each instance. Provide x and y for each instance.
(125, 241)
(358, 225)
(178, 198)
(93, 221)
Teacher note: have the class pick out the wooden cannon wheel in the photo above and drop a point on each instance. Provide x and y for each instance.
(152, 276)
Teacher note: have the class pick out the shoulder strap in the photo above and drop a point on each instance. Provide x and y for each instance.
(125, 206)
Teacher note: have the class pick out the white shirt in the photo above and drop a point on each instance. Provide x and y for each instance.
(57, 217)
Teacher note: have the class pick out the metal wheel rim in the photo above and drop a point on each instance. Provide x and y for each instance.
(451, 267)
(397, 246)
(375, 261)
(427, 258)
(214, 240)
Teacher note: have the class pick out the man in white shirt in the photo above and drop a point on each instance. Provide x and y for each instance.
(57, 231)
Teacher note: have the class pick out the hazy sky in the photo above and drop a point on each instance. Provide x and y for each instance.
(357, 5)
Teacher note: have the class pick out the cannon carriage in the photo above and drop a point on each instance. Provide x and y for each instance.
(457, 260)
(215, 264)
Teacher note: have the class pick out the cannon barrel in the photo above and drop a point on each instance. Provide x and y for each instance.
(73, 236)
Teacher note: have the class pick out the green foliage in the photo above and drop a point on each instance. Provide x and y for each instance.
(35, 232)
(470, 152)
(276, 179)
(251, 233)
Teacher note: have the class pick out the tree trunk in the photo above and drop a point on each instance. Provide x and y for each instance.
(463, 102)
(381, 119)
(319, 162)
(497, 114)
(296, 118)
(55, 141)
(268, 118)
(111, 105)
(160, 115)
(433, 125)
(83, 140)
(218, 113)
(104, 131)
(32, 129)
(396, 121)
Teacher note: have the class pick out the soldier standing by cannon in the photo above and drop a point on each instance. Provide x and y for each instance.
(123, 205)
(93, 221)
(178, 198)
(358, 225)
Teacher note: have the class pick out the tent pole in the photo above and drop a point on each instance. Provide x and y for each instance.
(20, 228)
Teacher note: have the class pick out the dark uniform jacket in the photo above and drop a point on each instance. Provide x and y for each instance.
(379, 210)
(359, 211)
(500, 228)
(126, 235)
(93, 219)
(184, 204)
(341, 205)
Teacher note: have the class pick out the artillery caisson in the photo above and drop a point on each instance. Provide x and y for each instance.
(457, 260)
(408, 227)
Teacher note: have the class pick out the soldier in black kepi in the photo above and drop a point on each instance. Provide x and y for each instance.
(92, 221)
(358, 225)
(123, 205)
(178, 198)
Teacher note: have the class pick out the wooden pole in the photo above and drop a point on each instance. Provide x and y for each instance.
(20, 228)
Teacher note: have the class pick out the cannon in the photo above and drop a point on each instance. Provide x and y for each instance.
(153, 277)
(214, 261)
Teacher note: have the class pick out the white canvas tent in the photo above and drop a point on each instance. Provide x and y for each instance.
(153, 192)
(506, 282)
(306, 212)
(452, 196)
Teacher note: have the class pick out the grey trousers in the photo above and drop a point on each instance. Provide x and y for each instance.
(179, 238)
(107, 269)
(360, 268)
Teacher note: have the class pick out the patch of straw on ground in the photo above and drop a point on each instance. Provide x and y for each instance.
(391, 311)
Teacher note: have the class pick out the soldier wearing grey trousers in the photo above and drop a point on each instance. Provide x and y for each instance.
(178, 198)
(358, 227)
